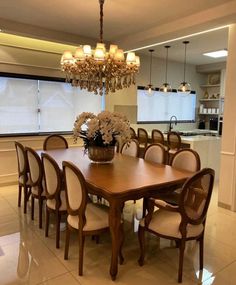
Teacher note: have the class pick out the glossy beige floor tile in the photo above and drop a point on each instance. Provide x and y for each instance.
(27, 257)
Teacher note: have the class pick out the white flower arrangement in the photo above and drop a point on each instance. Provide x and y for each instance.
(102, 129)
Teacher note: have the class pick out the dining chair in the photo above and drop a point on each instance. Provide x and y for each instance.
(142, 137)
(157, 136)
(85, 217)
(132, 133)
(54, 142)
(36, 181)
(130, 148)
(23, 175)
(183, 222)
(184, 159)
(55, 197)
(156, 153)
(173, 144)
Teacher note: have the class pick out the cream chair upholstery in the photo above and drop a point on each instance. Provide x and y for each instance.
(56, 199)
(183, 222)
(184, 159)
(87, 218)
(23, 175)
(36, 181)
(55, 142)
(155, 153)
(130, 148)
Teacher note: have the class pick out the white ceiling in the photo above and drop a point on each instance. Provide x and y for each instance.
(130, 23)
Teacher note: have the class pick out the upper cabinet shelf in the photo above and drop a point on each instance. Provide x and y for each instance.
(210, 85)
(209, 100)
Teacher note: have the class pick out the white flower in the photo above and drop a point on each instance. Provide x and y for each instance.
(101, 129)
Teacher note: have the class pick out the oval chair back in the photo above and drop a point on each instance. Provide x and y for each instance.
(55, 142)
(186, 159)
(36, 181)
(130, 148)
(23, 169)
(157, 136)
(155, 153)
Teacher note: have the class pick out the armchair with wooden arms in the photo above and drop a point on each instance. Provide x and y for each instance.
(183, 222)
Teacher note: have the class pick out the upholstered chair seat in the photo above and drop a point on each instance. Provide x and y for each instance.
(167, 223)
(96, 218)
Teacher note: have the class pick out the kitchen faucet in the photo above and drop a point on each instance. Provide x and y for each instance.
(171, 121)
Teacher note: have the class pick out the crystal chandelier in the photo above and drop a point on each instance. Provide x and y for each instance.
(94, 69)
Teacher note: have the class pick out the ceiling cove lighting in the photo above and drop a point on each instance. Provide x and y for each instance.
(166, 87)
(217, 54)
(179, 38)
(149, 88)
(94, 69)
(184, 87)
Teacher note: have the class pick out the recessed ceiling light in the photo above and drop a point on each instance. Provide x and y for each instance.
(217, 54)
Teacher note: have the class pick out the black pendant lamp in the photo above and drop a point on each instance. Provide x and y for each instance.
(184, 87)
(149, 88)
(166, 87)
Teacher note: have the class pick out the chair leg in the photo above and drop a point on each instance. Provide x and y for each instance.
(19, 195)
(121, 257)
(58, 221)
(47, 221)
(67, 242)
(81, 253)
(32, 207)
(40, 213)
(181, 259)
(201, 248)
(141, 238)
(25, 199)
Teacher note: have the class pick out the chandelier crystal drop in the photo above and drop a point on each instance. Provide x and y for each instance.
(94, 69)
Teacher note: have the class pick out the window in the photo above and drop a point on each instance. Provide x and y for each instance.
(159, 107)
(34, 106)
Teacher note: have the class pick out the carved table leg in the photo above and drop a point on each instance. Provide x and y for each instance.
(116, 235)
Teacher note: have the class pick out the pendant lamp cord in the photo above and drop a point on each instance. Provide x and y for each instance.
(185, 43)
(151, 51)
(101, 20)
(167, 47)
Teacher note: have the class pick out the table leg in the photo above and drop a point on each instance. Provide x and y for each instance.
(116, 230)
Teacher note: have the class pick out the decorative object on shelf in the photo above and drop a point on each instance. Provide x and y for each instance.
(206, 95)
(99, 133)
(94, 69)
(214, 79)
(184, 86)
(166, 87)
(149, 88)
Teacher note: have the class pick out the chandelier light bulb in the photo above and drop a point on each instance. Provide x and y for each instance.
(99, 54)
(112, 50)
(87, 50)
(79, 54)
(130, 59)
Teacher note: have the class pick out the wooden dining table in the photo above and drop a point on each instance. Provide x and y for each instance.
(125, 178)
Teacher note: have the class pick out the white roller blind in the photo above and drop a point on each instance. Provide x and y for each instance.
(18, 105)
(161, 106)
(28, 106)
